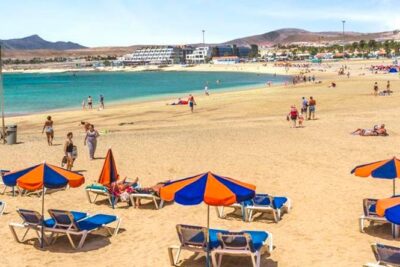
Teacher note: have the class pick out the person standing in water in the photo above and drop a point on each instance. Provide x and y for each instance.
(68, 149)
(48, 128)
(91, 140)
(192, 102)
(101, 102)
(90, 102)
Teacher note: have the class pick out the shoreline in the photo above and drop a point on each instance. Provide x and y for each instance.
(156, 97)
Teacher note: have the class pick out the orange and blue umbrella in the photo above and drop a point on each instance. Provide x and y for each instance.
(384, 169)
(390, 208)
(212, 189)
(43, 176)
(109, 173)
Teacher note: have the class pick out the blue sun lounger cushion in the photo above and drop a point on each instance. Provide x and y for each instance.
(95, 221)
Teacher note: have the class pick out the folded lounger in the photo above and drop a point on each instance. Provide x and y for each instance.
(193, 238)
(65, 223)
(369, 208)
(32, 220)
(100, 190)
(246, 243)
(158, 202)
(385, 255)
(261, 203)
(2, 207)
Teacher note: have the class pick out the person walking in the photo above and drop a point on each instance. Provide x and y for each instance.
(91, 140)
(101, 102)
(292, 116)
(48, 128)
(90, 102)
(206, 90)
(376, 89)
(304, 106)
(388, 88)
(192, 102)
(68, 151)
(311, 108)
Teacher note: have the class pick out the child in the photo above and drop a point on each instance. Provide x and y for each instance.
(301, 119)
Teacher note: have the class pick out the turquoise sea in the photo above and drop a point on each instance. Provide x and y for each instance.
(29, 93)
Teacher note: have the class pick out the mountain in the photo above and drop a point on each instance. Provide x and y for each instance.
(292, 35)
(35, 42)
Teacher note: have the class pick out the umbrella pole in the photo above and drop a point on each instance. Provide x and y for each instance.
(42, 229)
(208, 236)
(394, 187)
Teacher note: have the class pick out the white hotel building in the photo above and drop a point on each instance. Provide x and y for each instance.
(199, 55)
(154, 55)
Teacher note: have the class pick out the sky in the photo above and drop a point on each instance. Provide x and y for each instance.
(128, 22)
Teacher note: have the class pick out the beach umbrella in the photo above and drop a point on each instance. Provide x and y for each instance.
(212, 189)
(384, 169)
(109, 173)
(390, 208)
(43, 176)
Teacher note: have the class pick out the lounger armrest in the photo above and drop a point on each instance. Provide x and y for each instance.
(144, 195)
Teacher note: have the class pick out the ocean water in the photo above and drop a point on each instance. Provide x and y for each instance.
(29, 93)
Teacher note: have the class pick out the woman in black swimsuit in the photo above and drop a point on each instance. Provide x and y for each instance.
(68, 148)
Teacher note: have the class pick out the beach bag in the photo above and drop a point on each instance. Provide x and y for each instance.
(63, 161)
(74, 152)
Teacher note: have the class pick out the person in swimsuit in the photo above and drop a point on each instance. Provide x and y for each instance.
(90, 102)
(311, 108)
(85, 125)
(91, 140)
(101, 102)
(48, 128)
(376, 89)
(192, 102)
(68, 149)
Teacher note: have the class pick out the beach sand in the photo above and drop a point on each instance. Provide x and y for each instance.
(241, 134)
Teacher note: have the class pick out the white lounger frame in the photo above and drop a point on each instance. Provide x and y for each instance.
(70, 231)
(99, 192)
(250, 211)
(255, 256)
(158, 202)
(2, 207)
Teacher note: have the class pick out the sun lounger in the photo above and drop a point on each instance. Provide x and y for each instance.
(158, 202)
(193, 238)
(369, 206)
(2, 207)
(261, 203)
(65, 223)
(247, 243)
(100, 190)
(385, 255)
(32, 220)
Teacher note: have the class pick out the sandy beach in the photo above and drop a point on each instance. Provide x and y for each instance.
(240, 134)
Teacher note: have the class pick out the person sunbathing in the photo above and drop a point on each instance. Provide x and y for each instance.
(122, 189)
(366, 132)
(179, 102)
(376, 131)
(382, 130)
